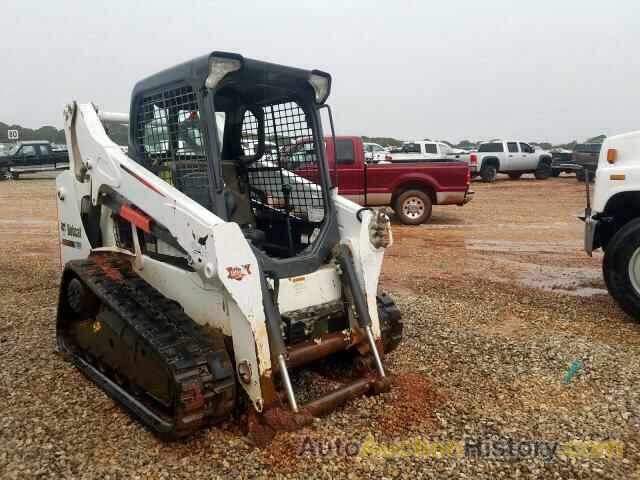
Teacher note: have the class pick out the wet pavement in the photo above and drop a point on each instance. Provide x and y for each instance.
(519, 232)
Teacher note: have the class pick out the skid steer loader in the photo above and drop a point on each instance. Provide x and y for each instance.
(198, 268)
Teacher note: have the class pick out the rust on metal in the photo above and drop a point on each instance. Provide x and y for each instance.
(268, 389)
(308, 352)
(111, 267)
(192, 397)
(332, 400)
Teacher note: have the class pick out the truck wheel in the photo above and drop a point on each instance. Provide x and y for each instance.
(413, 207)
(489, 173)
(543, 171)
(580, 175)
(555, 173)
(515, 176)
(621, 268)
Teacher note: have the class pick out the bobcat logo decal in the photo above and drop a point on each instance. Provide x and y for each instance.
(238, 273)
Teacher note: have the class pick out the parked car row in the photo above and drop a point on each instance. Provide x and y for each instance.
(410, 180)
(513, 158)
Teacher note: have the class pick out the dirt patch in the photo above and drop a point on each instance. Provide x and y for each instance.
(491, 323)
(285, 452)
(411, 406)
(508, 323)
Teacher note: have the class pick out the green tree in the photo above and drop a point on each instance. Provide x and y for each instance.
(384, 141)
(598, 139)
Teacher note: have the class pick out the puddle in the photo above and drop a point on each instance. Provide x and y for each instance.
(521, 247)
(519, 226)
(576, 281)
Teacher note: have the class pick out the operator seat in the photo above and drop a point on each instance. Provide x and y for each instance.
(238, 202)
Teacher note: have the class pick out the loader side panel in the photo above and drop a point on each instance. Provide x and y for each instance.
(74, 242)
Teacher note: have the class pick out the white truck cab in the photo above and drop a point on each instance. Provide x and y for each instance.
(612, 218)
(374, 153)
(420, 150)
(511, 157)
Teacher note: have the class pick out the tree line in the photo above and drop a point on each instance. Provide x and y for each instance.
(119, 134)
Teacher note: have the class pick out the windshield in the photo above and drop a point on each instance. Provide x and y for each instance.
(589, 147)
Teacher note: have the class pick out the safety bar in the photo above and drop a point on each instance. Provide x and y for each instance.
(113, 117)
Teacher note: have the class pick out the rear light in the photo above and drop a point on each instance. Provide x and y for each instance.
(473, 159)
(612, 155)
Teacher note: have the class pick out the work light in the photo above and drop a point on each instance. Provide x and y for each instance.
(220, 66)
(321, 83)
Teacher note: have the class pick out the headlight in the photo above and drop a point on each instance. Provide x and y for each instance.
(321, 83)
(220, 65)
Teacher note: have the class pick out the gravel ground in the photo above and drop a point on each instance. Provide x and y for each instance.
(498, 302)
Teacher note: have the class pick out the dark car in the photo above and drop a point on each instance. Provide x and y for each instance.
(561, 161)
(30, 157)
(586, 156)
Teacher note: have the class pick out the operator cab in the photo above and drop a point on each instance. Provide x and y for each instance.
(223, 130)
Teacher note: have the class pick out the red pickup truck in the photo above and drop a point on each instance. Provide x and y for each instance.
(409, 188)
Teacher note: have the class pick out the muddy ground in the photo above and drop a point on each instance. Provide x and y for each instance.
(498, 301)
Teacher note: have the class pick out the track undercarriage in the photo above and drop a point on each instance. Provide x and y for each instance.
(142, 349)
(171, 373)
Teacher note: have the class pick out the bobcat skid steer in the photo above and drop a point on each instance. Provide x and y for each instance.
(199, 268)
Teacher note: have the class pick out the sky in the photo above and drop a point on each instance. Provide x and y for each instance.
(452, 70)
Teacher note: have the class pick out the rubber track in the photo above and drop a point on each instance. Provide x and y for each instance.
(183, 346)
(391, 325)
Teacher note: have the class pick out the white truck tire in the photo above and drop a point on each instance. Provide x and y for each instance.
(621, 268)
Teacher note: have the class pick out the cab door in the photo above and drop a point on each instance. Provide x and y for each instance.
(25, 158)
(350, 173)
(515, 160)
(529, 156)
(45, 159)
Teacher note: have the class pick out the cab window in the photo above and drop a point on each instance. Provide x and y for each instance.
(513, 147)
(344, 152)
(411, 148)
(430, 148)
(491, 147)
(526, 148)
(28, 151)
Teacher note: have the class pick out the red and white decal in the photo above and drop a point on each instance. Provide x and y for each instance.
(238, 273)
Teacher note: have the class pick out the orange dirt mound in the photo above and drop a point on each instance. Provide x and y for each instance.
(413, 400)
